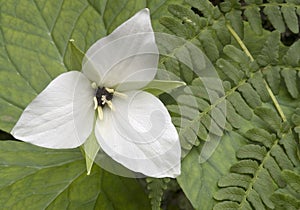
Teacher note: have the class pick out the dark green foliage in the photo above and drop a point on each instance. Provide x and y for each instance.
(280, 15)
(256, 71)
(254, 18)
(156, 188)
(288, 198)
(270, 51)
(257, 175)
(251, 87)
(247, 117)
(292, 56)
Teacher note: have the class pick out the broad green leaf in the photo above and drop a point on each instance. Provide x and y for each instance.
(34, 40)
(34, 49)
(198, 181)
(37, 178)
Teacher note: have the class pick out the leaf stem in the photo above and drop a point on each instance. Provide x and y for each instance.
(241, 43)
(276, 104)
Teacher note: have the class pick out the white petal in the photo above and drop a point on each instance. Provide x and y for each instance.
(139, 134)
(61, 116)
(128, 54)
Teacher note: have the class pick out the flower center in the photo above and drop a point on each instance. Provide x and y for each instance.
(104, 96)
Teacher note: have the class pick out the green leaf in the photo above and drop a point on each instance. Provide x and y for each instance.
(250, 95)
(34, 49)
(285, 201)
(226, 205)
(231, 180)
(209, 45)
(230, 193)
(236, 54)
(174, 26)
(273, 77)
(290, 17)
(157, 87)
(230, 70)
(234, 16)
(293, 179)
(253, 16)
(261, 136)
(188, 17)
(269, 116)
(233, 118)
(252, 151)
(292, 56)
(198, 180)
(258, 83)
(270, 51)
(245, 167)
(156, 189)
(291, 80)
(205, 7)
(240, 105)
(37, 178)
(275, 17)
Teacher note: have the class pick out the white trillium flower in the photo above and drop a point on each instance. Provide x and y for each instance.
(132, 126)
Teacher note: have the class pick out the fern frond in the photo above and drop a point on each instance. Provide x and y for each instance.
(206, 32)
(288, 198)
(233, 118)
(290, 17)
(272, 75)
(270, 117)
(275, 17)
(254, 18)
(287, 66)
(253, 81)
(257, 81)
(156, 188)
(250, 95)
(292, 56)
(235, 19)
(270, 51)
(240, 105)
(291, 79)
(280, 15)
(195, 117)
(257, 174)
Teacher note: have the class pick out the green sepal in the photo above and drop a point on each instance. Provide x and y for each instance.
(157, 87)
(90, 149)
(74, 59)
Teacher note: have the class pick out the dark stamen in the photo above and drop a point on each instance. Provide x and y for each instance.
(101, 91)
